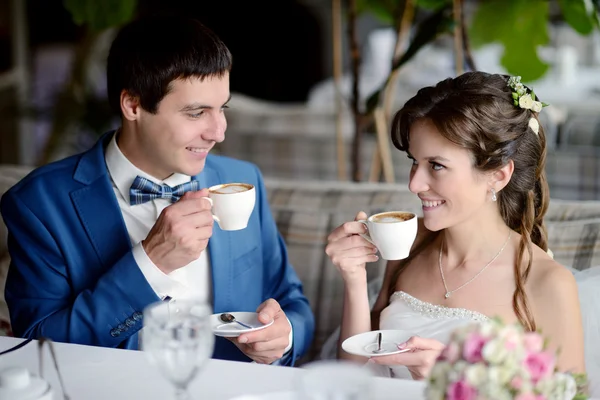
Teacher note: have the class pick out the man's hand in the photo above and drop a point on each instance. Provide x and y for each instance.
(266, 345)
(181, 232)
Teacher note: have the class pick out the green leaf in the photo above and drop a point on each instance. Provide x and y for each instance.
(99, 15)
(383, 10)
(577, 15)
(520, 26)
(432, 4)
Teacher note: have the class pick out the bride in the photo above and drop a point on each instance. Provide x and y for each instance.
(478, 154)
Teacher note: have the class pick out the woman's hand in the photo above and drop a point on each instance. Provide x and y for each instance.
(348, 251)
(419, 360)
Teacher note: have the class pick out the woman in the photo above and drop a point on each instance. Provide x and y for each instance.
(478, 156)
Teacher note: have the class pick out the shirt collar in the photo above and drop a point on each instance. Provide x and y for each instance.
(123, 172)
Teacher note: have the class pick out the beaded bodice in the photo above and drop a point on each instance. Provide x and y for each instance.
(437, 311)
(419, 318)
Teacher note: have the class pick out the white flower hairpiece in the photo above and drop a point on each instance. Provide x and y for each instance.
(534, 125)
(525, 98)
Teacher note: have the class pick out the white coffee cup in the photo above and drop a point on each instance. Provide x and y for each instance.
(232, 204)
(392, 232)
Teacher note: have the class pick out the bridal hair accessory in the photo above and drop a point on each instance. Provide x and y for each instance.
(525, 98)
(493, 360)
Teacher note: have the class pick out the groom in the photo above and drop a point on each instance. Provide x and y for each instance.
(87, 257)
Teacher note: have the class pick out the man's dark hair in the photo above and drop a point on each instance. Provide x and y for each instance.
(149, 53)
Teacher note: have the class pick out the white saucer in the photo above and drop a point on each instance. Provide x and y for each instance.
(363, 344)
(233, 329)
(268, 396)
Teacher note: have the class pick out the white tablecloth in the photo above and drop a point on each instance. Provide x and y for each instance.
(94, 373)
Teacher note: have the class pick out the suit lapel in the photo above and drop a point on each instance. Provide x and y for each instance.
(219, 248)
(97, 206)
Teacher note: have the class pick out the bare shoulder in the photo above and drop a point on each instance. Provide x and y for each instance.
(553, 292)
(550, 282)
(548, 274)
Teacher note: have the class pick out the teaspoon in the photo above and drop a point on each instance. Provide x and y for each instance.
(379, 349)
(228, 318)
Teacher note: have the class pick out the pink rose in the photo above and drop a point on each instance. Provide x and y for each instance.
(451, 353)
(472, 352)
(516, 382)
(539, 365)
(533, 342)
(461, 391)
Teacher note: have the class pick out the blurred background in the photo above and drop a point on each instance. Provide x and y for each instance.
(314, 82)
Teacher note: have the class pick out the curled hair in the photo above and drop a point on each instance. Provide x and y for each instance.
(476, 112)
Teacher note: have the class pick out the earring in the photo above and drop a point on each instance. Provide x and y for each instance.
(494, 197)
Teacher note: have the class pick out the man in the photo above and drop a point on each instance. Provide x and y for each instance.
(87, 258)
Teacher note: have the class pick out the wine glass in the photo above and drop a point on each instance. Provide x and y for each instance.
(177, 338)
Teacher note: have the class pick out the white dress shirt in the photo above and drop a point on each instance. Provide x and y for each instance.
(193, 280)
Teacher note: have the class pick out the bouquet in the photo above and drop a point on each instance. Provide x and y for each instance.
(496, 361)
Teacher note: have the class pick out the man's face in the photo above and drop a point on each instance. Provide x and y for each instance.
(189, 121)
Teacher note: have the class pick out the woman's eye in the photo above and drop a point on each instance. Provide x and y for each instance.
(436, 167)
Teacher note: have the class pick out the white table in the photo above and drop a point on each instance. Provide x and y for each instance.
(94, 373)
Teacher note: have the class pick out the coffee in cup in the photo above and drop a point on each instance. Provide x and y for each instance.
(392, 232)
(230, 188)
(232, 204)
(392, 216)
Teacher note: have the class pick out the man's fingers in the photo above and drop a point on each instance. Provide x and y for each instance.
(277, 344)
(198, 194)
(268, 311)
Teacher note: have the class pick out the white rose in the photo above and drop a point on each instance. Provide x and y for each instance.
(434, 393)
(500, 374)
(537, 106)
(566, 387)
(497, 392)
(526, 101)
(545, 387)
(456, 373)
(440, 372)
(489, 329)
(494, 351)
(476, 374)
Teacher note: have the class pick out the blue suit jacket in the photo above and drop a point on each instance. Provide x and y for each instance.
(73, 277)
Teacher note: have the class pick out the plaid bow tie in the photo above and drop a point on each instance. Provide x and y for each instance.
(143, 190)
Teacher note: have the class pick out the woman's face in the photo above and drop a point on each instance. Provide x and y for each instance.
(451, 190)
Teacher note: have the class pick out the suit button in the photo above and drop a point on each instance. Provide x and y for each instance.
(122, 327)
(115, 332)
(129, 322)
(137, 316)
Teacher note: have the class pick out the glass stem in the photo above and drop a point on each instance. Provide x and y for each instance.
(181, 393)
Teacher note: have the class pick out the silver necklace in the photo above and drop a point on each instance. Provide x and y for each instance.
(449, 292)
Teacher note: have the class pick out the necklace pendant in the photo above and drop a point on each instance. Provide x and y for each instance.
(447, 295)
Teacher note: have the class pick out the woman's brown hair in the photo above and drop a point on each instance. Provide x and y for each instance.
(476, 112)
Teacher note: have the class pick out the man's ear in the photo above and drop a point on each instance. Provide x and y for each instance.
(500, 178)
(130, 106)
